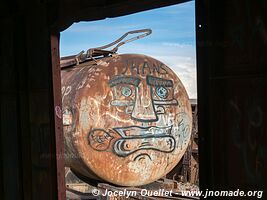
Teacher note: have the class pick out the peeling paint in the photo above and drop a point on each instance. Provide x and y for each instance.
(130, 119)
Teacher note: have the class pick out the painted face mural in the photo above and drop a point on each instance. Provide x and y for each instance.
(132, 119)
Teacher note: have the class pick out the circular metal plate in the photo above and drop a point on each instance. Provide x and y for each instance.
(131, 119)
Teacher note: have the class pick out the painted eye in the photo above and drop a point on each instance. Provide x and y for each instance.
(126, 91)
(162, 92)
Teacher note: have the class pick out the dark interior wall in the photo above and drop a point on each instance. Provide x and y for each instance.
(232, 82)
(27, 153)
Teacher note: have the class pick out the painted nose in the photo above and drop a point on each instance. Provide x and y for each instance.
(144, 110)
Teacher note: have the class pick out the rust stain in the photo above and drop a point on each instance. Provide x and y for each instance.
(129, 119)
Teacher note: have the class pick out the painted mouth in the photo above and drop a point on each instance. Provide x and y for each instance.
(136, 138)
(138, 131)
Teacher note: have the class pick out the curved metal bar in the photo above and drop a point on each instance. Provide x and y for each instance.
(145, 32)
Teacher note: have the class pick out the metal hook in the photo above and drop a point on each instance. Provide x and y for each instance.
(78, 57)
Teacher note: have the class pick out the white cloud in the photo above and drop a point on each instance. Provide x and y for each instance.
(179, 57)
(175, 44)
(185, 68)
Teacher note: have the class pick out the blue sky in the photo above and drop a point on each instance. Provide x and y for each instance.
(172, 40)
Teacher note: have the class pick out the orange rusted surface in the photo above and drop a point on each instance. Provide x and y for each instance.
(127, 119)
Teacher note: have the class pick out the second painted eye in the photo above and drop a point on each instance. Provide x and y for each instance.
(126, 91)
(162, 92)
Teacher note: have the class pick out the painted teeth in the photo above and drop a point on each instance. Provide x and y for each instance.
(142, 131)
(159, 131)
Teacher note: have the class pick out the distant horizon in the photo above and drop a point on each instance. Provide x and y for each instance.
(172, 40)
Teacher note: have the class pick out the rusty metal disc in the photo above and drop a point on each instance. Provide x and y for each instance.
(127, 119)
